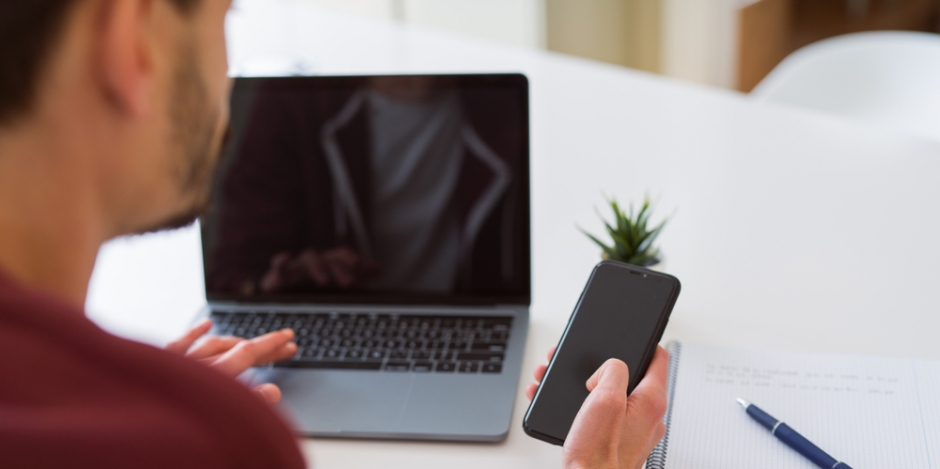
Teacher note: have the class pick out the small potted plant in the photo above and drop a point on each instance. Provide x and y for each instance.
(631, 235)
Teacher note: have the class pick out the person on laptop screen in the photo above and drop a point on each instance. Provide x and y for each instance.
(407, 183)
(111, 120)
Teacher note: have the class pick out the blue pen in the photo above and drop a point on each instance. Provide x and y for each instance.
(792, 439)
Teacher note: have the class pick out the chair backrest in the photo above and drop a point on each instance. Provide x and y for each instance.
(888, 78)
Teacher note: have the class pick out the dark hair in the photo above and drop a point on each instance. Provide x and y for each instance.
(28, 32)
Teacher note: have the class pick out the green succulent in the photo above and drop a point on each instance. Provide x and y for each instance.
(633, 241)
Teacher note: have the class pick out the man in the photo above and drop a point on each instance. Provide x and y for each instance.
(111, 117)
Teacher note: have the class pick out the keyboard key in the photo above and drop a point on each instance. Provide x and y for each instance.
(421, 355)
(398, 354)
(468, 367)
(397, 366)
(422, 367)
(480, 356)
(445, 366)
(331, 365)
(492, 368)
(498, 321)
(489, 346)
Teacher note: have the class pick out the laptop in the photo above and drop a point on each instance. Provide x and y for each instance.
(385, 219)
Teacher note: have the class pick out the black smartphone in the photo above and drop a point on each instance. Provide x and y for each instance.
(622, 313)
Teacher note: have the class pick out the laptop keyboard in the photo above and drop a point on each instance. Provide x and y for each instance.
(389, 342)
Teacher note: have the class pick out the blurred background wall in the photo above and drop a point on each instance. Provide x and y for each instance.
(726, 43)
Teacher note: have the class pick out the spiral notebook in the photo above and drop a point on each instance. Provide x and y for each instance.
(867, 411)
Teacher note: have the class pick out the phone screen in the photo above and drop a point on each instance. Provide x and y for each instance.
(621, 314)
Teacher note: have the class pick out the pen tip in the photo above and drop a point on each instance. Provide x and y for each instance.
(743, 403)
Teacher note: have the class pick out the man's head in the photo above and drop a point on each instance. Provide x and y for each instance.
(129, 97)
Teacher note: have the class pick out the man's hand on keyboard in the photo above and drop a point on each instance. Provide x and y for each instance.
(234, 355)
(613, 430)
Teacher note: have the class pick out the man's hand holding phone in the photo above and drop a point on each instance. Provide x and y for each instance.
(612, 430)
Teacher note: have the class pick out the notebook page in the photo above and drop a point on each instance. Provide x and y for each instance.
(862, 410)
(928, 380)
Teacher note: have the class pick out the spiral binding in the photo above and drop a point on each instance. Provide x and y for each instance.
(657, 459)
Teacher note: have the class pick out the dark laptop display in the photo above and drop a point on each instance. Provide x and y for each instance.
(383, 189)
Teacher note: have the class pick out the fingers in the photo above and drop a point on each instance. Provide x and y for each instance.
(341, 267)
(342, 262)
(213, 346)
(183, 344)
(237, 354)
(530, 391)
(269, 392)
(539, 374)
(315, 267)
(258, 351)
(344, 255)
(274, 278)
(283, 353)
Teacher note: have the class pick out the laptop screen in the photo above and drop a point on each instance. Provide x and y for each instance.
(373, 189)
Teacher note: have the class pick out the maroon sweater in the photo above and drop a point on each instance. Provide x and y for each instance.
(72, 395)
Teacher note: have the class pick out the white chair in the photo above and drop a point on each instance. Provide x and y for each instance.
(889, 79)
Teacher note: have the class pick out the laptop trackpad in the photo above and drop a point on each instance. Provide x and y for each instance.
(342, 401)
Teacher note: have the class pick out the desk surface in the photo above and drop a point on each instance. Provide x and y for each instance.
(789, 230)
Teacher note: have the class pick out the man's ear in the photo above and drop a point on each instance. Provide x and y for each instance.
(125, 54)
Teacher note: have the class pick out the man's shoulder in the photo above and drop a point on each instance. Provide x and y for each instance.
(74, 392)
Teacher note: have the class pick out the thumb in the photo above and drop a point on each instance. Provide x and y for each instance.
(596, 430)
(613, 375)
(269, 392)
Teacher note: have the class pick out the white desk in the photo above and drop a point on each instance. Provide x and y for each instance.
(791, 231)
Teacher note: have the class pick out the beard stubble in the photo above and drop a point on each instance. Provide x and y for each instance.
(197, 139)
